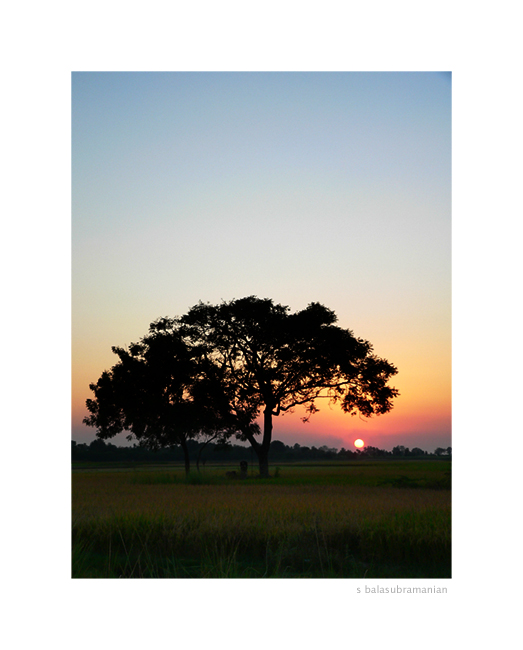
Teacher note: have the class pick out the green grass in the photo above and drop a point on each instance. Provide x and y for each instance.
(435, 474)
(314, 521)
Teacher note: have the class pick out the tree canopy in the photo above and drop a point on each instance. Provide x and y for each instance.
(152, 393)
(219, 367)
(271, 361)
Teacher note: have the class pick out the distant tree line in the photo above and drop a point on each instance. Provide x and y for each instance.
(100, 451)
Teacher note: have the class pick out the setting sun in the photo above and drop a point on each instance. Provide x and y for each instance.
(359, 443)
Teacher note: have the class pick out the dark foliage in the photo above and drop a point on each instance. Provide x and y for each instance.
(100, 451)
(269, 361)
(212, 372)
(155, 393)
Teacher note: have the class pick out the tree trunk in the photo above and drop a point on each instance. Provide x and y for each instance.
(183, 445)
(263, 460)
(263, 449)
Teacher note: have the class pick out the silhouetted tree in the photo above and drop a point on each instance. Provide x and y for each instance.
(399, 450)
(373, 452)
(264, 360)
(278, 447)
(154, 392)
(218, 368)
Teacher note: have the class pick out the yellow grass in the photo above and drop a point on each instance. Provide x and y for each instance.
(105, 494)
(301, 529)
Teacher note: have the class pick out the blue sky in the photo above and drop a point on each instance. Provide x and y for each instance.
(301, 187)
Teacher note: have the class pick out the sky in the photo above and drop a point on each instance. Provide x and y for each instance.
(300, 187)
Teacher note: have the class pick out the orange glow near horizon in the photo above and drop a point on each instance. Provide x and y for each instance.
(419, 413)
(147, 243)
